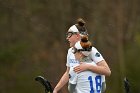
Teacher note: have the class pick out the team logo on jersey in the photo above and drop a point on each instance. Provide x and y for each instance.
(97, 54)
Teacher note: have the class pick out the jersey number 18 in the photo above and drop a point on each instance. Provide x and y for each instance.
(98, 84)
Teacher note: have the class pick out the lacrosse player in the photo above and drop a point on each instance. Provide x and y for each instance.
(74, 35)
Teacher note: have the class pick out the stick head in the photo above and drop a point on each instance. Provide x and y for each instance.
(126, 85)
(45, 83)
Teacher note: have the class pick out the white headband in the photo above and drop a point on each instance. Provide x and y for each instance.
(73, 29)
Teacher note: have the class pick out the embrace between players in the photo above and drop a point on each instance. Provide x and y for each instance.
(86, 68)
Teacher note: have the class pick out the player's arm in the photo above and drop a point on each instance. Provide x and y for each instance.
(101, 68)
(64, 79)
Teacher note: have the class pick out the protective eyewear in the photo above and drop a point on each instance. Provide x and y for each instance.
(74, 50)
(69, 34)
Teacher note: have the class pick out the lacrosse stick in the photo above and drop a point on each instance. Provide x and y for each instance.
(126, 85)
(45, 83)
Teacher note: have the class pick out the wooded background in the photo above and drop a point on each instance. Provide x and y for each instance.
(33, 41)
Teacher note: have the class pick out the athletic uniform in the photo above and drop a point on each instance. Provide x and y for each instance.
(86, 81)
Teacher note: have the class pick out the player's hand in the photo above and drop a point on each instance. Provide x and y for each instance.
(54, 91)
(82, 67)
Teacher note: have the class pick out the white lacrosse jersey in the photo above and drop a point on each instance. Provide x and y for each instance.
(87, 81)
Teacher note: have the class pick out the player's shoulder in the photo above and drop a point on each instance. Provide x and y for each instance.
(94, 49)
(70, 50)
